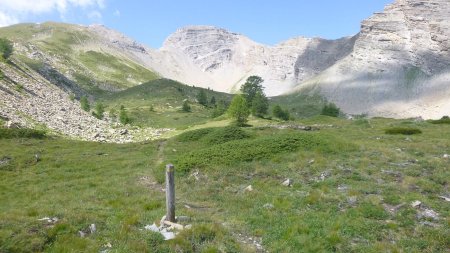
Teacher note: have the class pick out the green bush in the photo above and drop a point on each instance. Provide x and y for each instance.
(331, 110)
(186, 107)
(443, 120)
(123, 116)
(226, 134)
(403, 130)
(6, 48)
(280, 113)
(84, 103)
(99, 111)
(7, 133)
(194, 135)
(254, 149)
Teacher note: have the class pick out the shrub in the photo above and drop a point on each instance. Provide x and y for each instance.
(202, 98)
(253, 149)
(443, 120)
(226, 134)
(1, 75)
(278, 112)
(186, 107)
(6, 48)
(239, 110)
(403, 130)
(194, 135)
(6, 133)
(331, 110)
(123, 116)
(84, 103)
(99, 111)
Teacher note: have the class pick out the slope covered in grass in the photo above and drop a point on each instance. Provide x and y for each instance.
(352, 190)
(158, 103)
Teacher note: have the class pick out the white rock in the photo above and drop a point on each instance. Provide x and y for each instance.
(288, 182)
(92, 228)
(248, 188)
(168, 235)
(152, 227)
(416, 204)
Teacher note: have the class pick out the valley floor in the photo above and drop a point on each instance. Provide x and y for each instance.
(354, 189)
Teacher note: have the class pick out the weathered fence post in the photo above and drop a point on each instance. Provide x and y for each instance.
(170, 193)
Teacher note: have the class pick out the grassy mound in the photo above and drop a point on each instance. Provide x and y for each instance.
(214, 135)
(245, 150)
(403, 130)
(6, 133)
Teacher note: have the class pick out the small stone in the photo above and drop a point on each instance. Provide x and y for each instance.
(446, 156)
(248, 188)
(428, 213)
(168, 235)
(81, 234)
(288, 182)
(416, 204)
(311, 161)
(445, 198)
(188, 226)
(352, 200)
(92, 228)
(152, 227)
(268, 206)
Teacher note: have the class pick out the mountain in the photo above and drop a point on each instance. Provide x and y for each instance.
(399, 66)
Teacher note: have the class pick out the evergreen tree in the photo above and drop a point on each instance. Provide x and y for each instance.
(280, 113)
(213, 102)
(99, 110)
(202, 98)
(123, 116)
(186, 107)
(6, 48)
(260, 104)
(331, 110)
(252, 87)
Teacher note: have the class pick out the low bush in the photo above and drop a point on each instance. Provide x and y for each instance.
(226, 134)
(7, 133)
(403, 130)
(443, 120)
(254, 149)
(194, 135)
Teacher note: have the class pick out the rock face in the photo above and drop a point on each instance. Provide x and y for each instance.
(400, 64)
(224, 59)
(397, 66)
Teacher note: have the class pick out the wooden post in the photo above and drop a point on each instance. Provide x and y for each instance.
(170, 193)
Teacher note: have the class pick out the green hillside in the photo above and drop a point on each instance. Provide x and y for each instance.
(352, 190)
(65, 53)
(158, 103)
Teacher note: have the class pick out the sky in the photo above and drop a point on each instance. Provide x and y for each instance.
(151, 21)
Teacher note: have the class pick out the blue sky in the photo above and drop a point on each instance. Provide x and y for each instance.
(150, 22)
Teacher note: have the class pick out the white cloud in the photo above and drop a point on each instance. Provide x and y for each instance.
(95, 15)
(18, 9)
(6, 20)
(116, 13)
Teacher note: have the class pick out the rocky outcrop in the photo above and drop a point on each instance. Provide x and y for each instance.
(224, 59)
(29, 100)
(400, 64)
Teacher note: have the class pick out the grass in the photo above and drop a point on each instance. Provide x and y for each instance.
(345, 178)
(443, 120)
(403, 130)
(158, 104)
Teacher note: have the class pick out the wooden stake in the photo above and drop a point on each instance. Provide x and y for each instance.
(170, 193)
